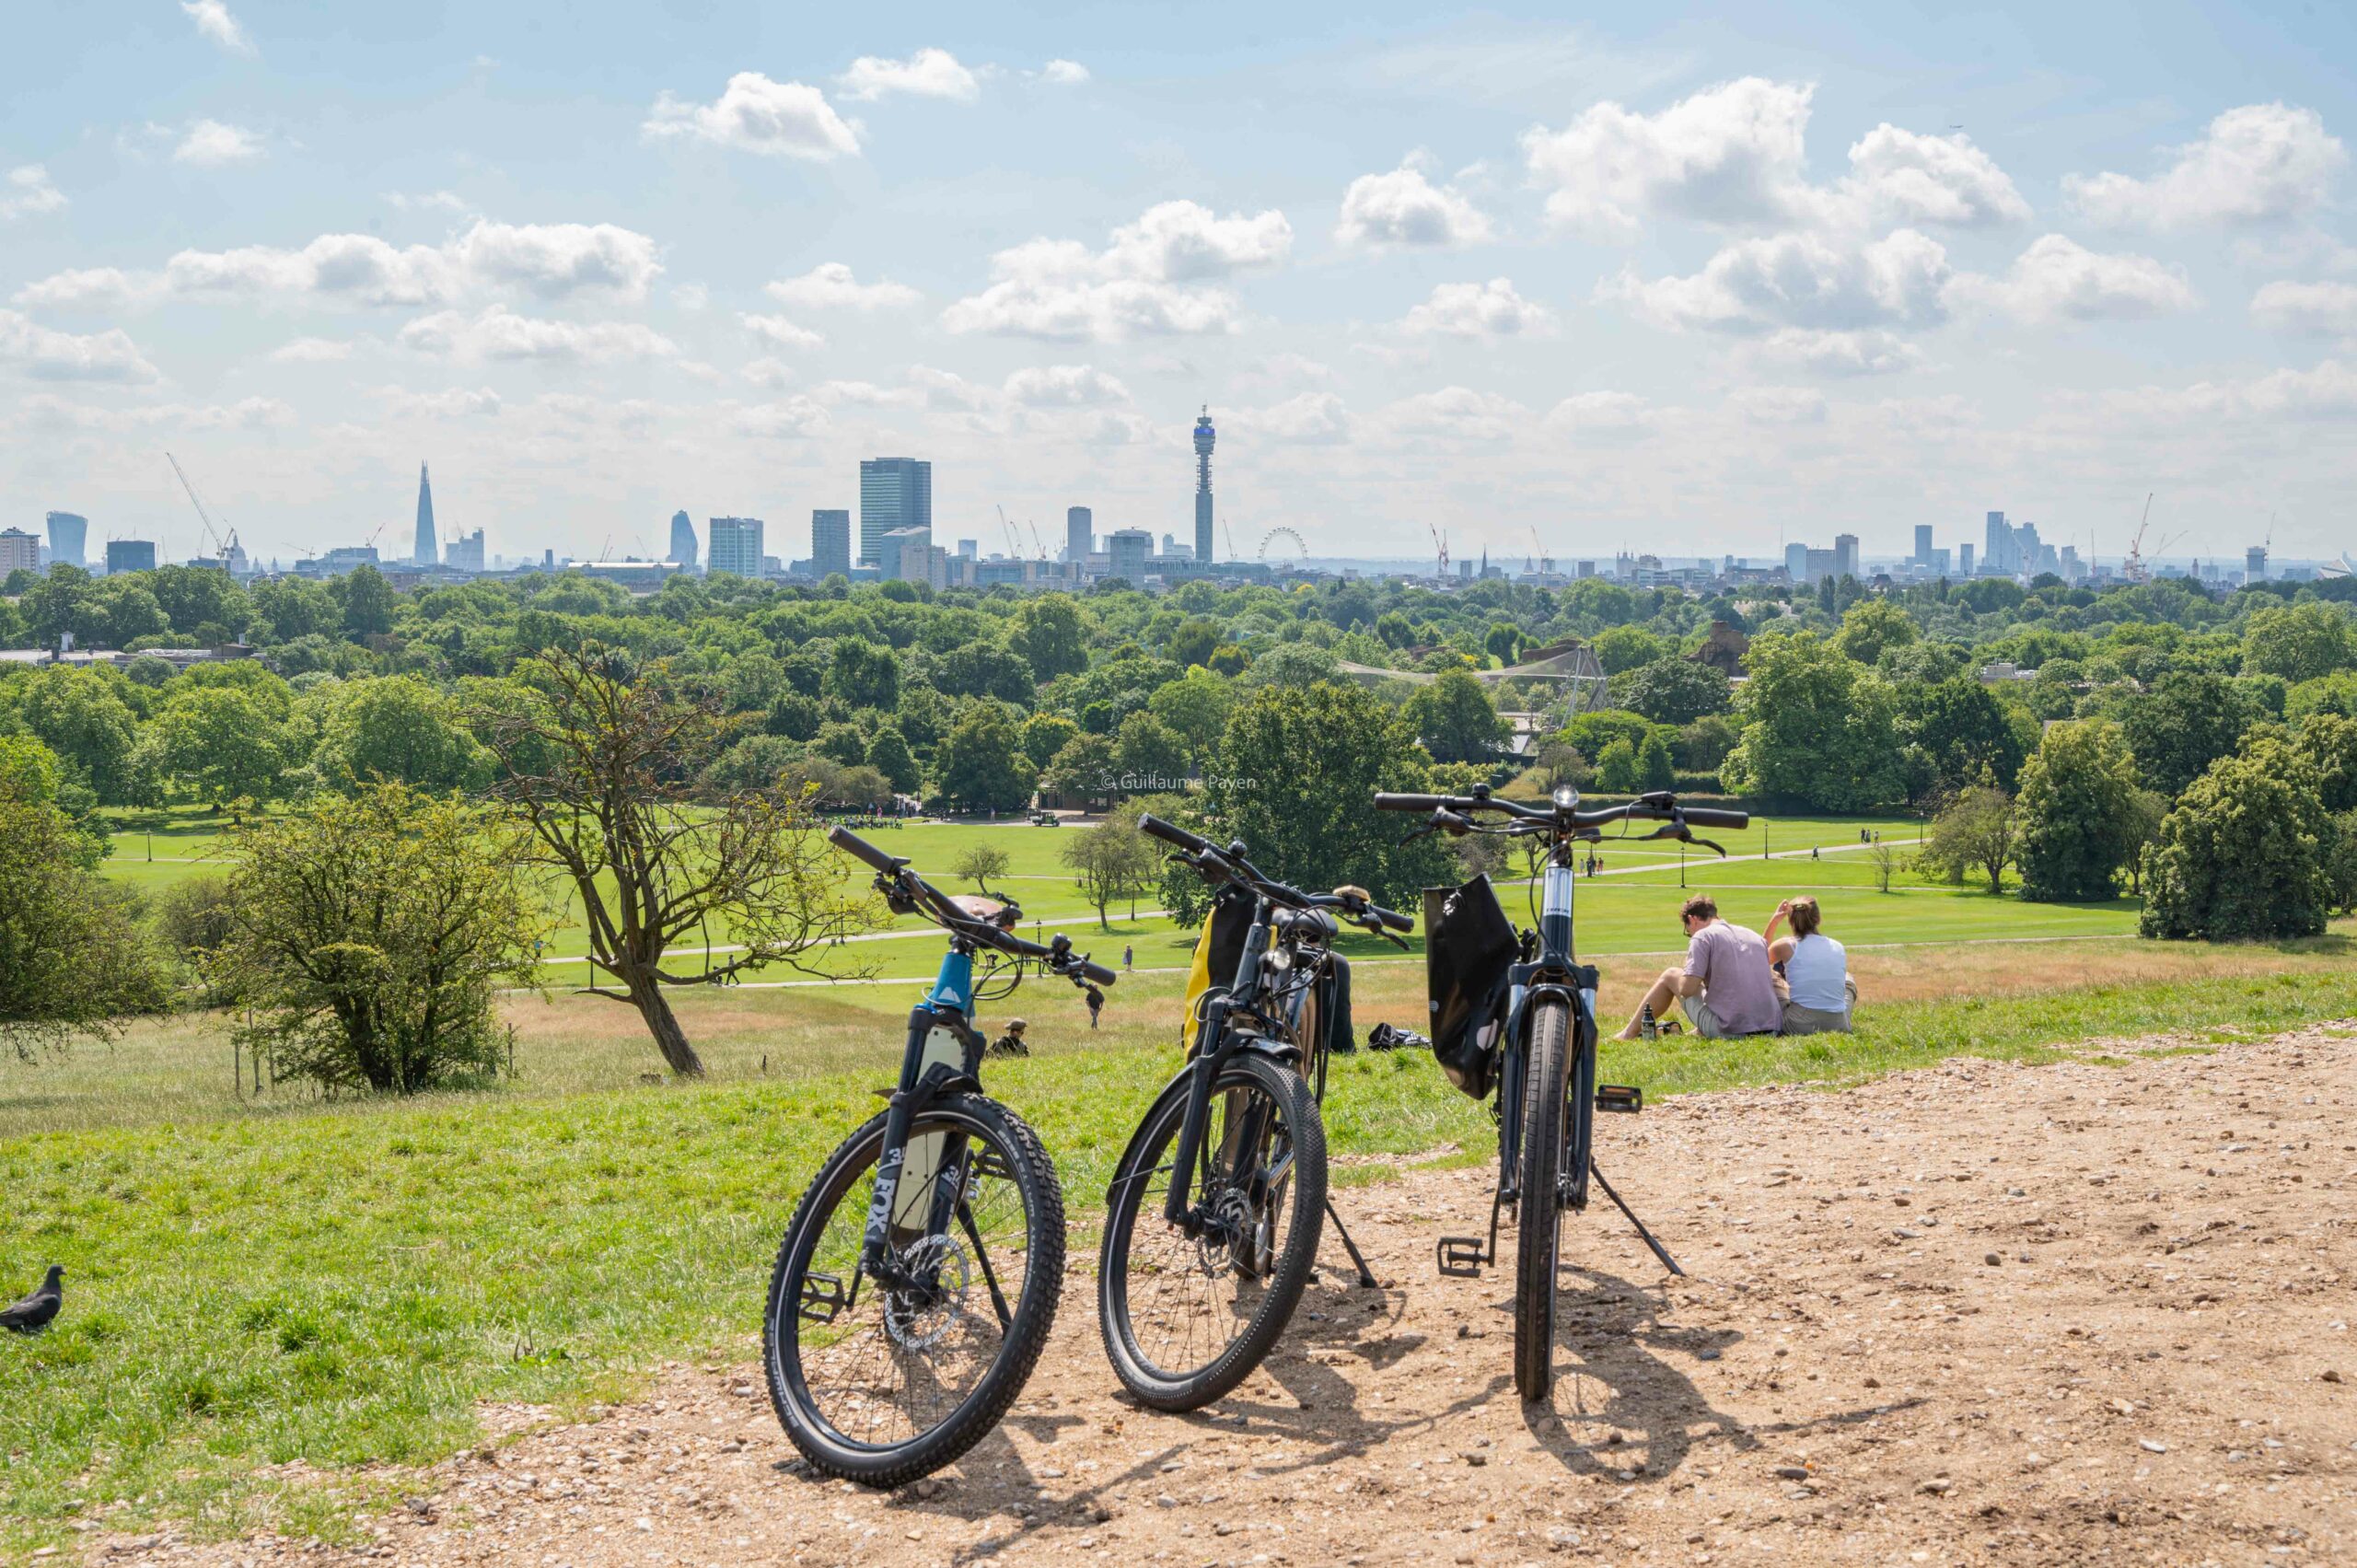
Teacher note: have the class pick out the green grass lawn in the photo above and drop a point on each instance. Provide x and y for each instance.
(257, 1283)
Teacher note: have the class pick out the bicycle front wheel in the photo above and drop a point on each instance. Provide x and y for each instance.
(881, 1384)
(1187, 1318)
(1539, 1219)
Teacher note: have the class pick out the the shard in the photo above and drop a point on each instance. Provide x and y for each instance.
(429, 550)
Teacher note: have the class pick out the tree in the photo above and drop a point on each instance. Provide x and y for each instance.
(2147, 808)
(1883, 859)
(72, 961)
(1196, 707)
(217, 743)
(1050, 635)
(1192, 642)
(85, 723)
(1295, 779)
(596, 764)
(1087, 767)
(1816, 727)
(1044, 734)
(889, 755)
(1871, 626)
(980, 863)
(1502, 641)
(194, 598)
(2330, 743)
(402, 730)
(1955, 731)
(1622, 648)
(286, 608)
(2188, 719)
(1616, 767)
(2297, 642)
(2245, 854)
(369, 602)
(2076, 813)
(1673, 691)
(861, 675)
(985, 669)
(1455, 718)
(1109, 862)
(981, 765)
(1152, 759)
(1975, 833)
(368, 935)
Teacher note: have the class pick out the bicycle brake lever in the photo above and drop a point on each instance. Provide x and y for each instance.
(1706, 843)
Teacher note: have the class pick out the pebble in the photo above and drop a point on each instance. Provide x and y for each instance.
(1991, 1260)
(2150, 1446)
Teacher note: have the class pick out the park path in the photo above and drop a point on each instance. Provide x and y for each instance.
(1980, 1313)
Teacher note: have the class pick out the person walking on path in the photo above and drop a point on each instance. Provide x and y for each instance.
(1126, 954)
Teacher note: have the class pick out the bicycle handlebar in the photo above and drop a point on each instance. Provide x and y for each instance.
(944, 911)
(1219, 864)
(1172, 834)
(1659, 806)
(850, 843)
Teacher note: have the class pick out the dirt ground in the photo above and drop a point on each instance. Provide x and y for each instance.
(2095, 1312)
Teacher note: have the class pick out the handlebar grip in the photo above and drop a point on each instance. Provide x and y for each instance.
(1097, 973)
(1392, 918)
(1715, 817)
(1409, 802)
(1180, 838)
(850, 843)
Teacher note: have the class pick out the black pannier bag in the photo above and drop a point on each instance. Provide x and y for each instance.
(1468, 946)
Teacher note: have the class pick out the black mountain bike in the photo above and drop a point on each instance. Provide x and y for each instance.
(1215, 1208)
(1535, 1036)
(917, 1283)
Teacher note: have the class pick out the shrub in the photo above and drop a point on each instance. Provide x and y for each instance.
(2246, 852)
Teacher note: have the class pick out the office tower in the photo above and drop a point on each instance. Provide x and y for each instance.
(466, 552)
(547, 561)
(1924, 545)
(831, 541)
(1587, 569)
(429, 549)
(683, 541)
(1940, 562)
(1080, 537)
(734, 544)
(19, 551)
(2021, 547)
(2255, 564)
(1205, 435)
(894, 493)
(130, 555)
(970, 550)
(1796, 562)
(1131, 548)
(1997, 549)
(1964, 561)
(2071, 572)
(1845, 555)
(69, 535)
(1819, 567)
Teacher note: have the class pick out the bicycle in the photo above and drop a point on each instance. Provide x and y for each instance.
(1232, 1152)
(1523, 1019)
(885, 1362)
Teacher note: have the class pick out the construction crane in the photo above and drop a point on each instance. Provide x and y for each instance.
(1014, 540)
(1036, 539)
(1231, 537)
(2133, 568)
(1540, 551)
(213, 540)
(1440, 543)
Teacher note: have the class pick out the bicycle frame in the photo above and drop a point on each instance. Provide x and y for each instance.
(1216, 1044)
(943, 1055)
(1549, 970)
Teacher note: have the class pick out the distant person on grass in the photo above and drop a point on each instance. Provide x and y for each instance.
(1812, 971)
(1725, 985)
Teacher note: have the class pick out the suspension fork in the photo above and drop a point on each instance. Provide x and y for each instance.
(1212, 1049)
(919, 1081)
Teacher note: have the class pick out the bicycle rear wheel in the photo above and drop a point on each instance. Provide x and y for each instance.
(1187, 1318)
(1538, 1218)
(882, 1385)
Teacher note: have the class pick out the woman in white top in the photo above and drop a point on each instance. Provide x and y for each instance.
(1814, 969)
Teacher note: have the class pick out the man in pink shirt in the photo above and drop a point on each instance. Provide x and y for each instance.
(1726, 985)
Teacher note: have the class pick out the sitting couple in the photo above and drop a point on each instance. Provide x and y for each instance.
(1737, 982)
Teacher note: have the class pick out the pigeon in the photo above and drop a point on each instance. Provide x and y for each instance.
(37, 1310)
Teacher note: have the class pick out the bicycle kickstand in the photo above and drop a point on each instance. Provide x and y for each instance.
(1366, 1276)
(1659, 1250)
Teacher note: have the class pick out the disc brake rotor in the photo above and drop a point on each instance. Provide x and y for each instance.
(919, 1321)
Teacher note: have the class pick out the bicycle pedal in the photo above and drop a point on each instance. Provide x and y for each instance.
(1625, 1099)
(823, 1298)
(1461, 1256)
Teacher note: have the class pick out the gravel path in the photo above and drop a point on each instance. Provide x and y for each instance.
(1982, 1313)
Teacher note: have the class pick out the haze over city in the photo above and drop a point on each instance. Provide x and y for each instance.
(1655, 285)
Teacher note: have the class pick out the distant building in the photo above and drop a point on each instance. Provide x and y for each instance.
(735, 545)
(1796, 562)
(894, 493)
(912, 557)
(2255, 564)
(1080, 538)
(466, 552)
(69, 537)
(1204, 437)
(1588, 568)
(683, 540)
(1997, 556)
(1964, 559)
(1817, 566)
(831, 541)
(1129, 550)
(429, 547)
(1924, 545)
(19, 551)
(1845, 555)
(130, 555)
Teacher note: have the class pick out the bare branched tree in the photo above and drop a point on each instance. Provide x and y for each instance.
(597, 761)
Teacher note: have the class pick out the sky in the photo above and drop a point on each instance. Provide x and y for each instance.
(1693, 281)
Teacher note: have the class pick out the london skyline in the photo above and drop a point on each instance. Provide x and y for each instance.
(1666, 286)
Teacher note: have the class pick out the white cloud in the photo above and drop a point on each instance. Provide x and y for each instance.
(779, 332)
(1479, 310)
(791, 420)
(830, 287)
(498, 333)
(208, 144)
(551, 261)
(1866, 352)
(1781, 405)
(1602, 414)
(28, 191)
(1901, 176)
(1726, 155)
(864, 394)
(1064, 73)
(248, 413)
(2309, 309)
(1798, 280)
(1065, 386)
(213, 20)
(2261, 163)
(310, 351)
(2328, 391)
(1308, 419)
(455, 402)
(1147, 279)
(1459, 414)
(771, 374)
(756, 115)
(945, 392)
(48, 356)
(929, 73)
(431, 201)
(691, 296)
(1404, 208)
(2058, 279)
